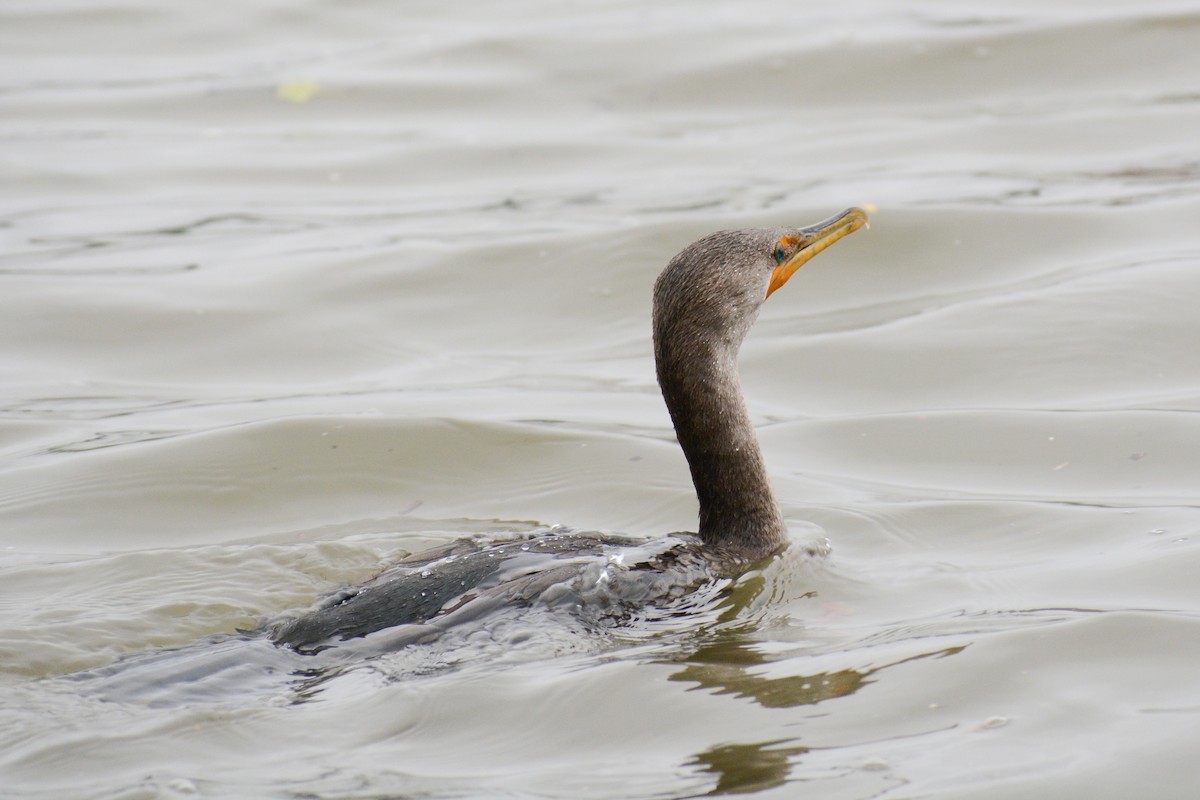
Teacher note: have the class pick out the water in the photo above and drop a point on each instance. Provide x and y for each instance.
(289, 290)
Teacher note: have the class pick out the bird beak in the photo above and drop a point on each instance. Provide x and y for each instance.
(813, 240)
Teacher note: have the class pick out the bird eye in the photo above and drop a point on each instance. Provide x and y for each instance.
(780, 254)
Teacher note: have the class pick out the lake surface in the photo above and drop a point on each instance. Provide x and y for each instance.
(288, 290)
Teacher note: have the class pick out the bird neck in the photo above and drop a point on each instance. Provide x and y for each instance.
(739, 514)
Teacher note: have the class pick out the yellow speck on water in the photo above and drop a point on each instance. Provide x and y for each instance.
(870, 208)
(298, 91)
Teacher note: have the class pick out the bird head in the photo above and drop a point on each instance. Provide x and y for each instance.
(716, 285)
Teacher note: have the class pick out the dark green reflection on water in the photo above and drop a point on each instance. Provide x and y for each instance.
(722, 666)
(747, 768)
(725, 664)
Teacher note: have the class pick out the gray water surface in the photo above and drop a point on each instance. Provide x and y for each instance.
(290, 290)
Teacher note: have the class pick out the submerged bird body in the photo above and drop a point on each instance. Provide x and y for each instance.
(603, 578)
(705, 302)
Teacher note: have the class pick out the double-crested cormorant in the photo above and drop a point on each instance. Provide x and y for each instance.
(704, 304)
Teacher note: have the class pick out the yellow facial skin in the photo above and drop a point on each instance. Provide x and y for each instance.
(810, 241)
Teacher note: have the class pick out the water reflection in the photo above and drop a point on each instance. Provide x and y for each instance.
(726, 664)
(748, 768)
